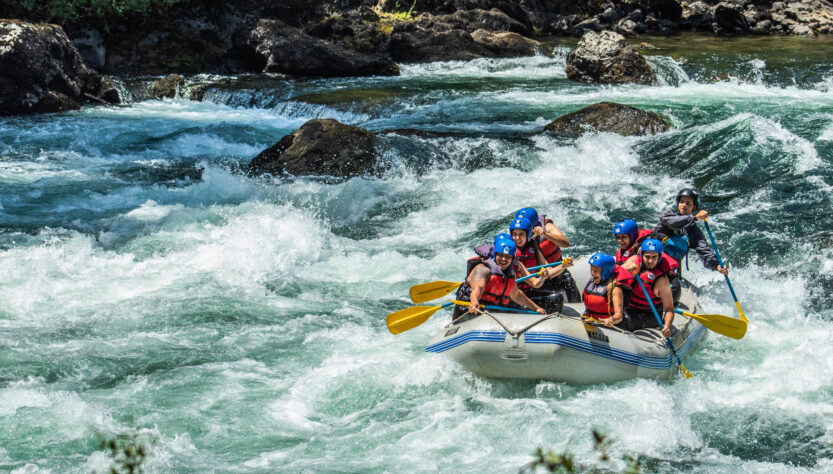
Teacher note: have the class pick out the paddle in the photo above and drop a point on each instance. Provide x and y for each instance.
(720, 261)
(437, 289)
(409, 318)
(668, 340)
(532, 269)
(432, 290)
(725, 325)
(538, 272)
(496, 308)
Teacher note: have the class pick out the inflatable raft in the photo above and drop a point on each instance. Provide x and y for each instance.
(563, 347)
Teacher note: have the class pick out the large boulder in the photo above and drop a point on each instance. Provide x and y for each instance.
(40, 71)
(608, 59)
(286, 49)
(608, 117)
(320, 147)
(729, 18)
(459, 36)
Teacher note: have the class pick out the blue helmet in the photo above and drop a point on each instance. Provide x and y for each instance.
(605, 262)
(528, 213)
(505, 244)
(523, 224)
(627, 226)
(651, 245)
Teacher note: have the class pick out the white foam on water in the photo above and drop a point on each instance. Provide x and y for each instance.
(766, 130)
(532, 67)
(195, 113)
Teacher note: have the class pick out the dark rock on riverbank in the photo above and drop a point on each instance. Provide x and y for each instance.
(608, 59)
(320, 147)
(40, 71)
(459, 36)
(608, 117)
(287, 50)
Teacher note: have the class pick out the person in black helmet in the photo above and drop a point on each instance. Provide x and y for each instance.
(678, 231)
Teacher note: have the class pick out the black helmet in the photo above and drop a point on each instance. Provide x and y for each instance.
(688, 192)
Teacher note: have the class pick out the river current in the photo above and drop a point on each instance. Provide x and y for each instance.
(146, 282)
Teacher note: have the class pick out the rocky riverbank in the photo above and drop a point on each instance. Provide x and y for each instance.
(366, 37)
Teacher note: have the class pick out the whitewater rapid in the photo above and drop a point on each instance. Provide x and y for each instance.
(147, 282)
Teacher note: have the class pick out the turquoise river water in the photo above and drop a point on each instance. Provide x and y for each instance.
(146, 282)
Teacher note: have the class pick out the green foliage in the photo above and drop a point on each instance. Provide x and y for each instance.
(128, 450)
(565, 463)
(401, 15)
(70, 11)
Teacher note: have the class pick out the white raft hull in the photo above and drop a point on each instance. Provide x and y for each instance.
(563, 348)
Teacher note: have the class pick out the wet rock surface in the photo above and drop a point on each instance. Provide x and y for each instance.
(324, 147)
(608, 117)
(168, 86)
(287, 50)
(607, 58)
(41, 71)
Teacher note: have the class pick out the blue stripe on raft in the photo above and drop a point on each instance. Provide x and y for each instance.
(659, 363)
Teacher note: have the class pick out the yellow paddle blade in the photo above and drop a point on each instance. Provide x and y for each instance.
(409, 318)
(740, 312)
(432, 290)
(685, 372)
(729, 327)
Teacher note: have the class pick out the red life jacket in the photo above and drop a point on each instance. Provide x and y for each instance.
(595, 299)
(500, 284)
(527, 257)
(498, 289)
(649, 277)
(551, 251)
(622, 255)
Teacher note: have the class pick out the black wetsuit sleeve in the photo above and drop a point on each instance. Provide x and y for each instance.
(668, 219)
(698, 242)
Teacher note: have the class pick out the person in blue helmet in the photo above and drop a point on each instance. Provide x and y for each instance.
(677, 229)
(530, 255)
(605, 292)
(629, 237)
(653, 271)
(493, 281)
(549, 238)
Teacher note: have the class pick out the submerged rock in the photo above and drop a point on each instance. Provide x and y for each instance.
(41, 71)
(608, 59)
(287, 50)
(167, 86)
(320, 147)
(608, 117)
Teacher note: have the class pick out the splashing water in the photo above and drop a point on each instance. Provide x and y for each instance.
(147, 282)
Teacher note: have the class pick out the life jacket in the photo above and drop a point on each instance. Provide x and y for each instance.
(676, 246)
(624, 254)
(527, 257)
(594, 297)
(551, 251)
(665, 266)
(500, 283)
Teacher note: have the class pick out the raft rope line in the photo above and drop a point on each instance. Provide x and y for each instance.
(516, 334)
